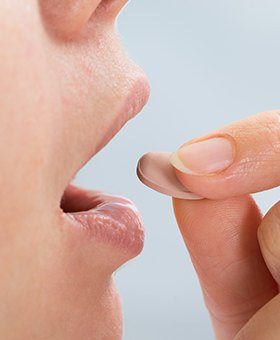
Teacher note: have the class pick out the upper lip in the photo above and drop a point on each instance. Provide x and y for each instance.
(129, 107)
(134, 103)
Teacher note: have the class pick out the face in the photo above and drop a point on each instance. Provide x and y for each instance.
(66, 87)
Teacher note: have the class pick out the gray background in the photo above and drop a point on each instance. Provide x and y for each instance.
(209, 62)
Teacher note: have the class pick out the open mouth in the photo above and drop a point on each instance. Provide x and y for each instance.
(108, 219)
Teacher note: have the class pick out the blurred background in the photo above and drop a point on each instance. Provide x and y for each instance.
(210, 62)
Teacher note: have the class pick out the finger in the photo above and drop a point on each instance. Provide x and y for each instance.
(222, 240)
(265, 325)
(269, 240)
(239, 159)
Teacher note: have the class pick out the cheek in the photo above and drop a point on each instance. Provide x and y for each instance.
(25, 95)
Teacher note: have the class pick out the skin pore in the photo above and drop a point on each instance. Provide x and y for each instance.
(63, 80)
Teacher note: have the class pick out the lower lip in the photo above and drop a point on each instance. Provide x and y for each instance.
(108, 219)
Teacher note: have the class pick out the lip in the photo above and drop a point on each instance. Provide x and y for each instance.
(137, 98)
(102, 217)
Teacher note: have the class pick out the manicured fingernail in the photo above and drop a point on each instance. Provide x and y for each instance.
(205, 157)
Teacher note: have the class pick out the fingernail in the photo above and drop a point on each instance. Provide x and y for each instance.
(205, 157)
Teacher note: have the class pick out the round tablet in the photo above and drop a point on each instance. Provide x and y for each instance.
(155, 170)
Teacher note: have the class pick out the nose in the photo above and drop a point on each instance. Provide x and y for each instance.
(110, 9)
(68, 17)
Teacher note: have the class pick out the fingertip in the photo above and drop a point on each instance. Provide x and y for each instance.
(205, 156)
(238, 159)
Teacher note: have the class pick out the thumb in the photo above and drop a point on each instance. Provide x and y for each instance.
(265, 324)
(239, 159)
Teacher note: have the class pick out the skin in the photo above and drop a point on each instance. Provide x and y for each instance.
(235, 249)
(63, 80)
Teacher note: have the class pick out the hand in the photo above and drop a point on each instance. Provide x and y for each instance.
(236, 251)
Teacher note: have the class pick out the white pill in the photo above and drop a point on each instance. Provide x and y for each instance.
(155, 170)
